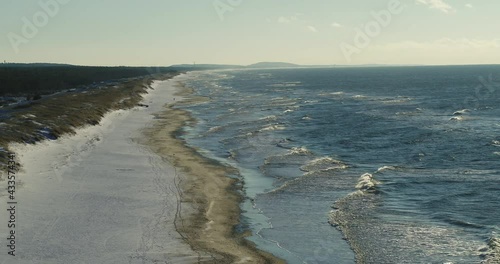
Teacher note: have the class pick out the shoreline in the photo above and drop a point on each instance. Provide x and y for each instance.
(202, 201)
(206, 189)
(99, 188)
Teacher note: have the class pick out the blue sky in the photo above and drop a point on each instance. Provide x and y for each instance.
(165, 32)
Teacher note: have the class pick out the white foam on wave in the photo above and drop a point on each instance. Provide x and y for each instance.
(28, 116)
(457, 118)
(214, 129)
(397, 100)
(272, 128)
(286, 84)
(367, 183)
(383, 168)
(333, 168)
(299, 151)
(461, 112)
(284, 186)
(322, 164)
(269, 117)
(491, 252)
(496, 143)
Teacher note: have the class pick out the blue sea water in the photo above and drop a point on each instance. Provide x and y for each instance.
(367, 165)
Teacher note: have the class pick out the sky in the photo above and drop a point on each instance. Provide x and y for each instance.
(312, 32)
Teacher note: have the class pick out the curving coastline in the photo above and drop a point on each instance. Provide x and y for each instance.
(209, 203)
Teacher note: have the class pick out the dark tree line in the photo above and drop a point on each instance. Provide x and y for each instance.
(39, 79)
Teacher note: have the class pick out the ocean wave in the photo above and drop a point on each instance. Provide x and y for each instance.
(301, 151)
(326, 170)
(409, 243)
(36, 123)
(457, 118)
(214, 129)
(367, 183)
(280, 101)
(283, 186)
(344, 210)
(491, 253)
(265, 75)
(461, 112)
(288, 111)
(322, 164)
(28, 116)
(231, 154)
(462, 223)
(295, 156)
(269, 118)
(397, 100)
(407, 113)
(272, 128)
(384, 168)
(285, 84)
(496, 143)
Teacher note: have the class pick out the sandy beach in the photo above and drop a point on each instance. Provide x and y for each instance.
(207, 189)
(126, 191)
(98, 196)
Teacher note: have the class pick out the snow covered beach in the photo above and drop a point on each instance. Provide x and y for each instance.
(111, 194)
(98, 196)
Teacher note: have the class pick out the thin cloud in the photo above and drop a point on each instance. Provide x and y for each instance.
(312, 29)
(287, 20)
(438, 51)
(447, 44)
(336, 25)
(283, 20)
(469, 5)
(440, 5)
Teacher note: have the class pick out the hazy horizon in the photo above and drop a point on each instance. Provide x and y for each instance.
(368, 65)
(239, 32)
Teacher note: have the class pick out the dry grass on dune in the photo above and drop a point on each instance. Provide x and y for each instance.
(60, 114)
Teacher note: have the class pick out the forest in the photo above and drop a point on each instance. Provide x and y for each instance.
(41, 79)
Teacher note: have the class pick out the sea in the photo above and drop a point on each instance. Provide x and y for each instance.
(362, 164)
